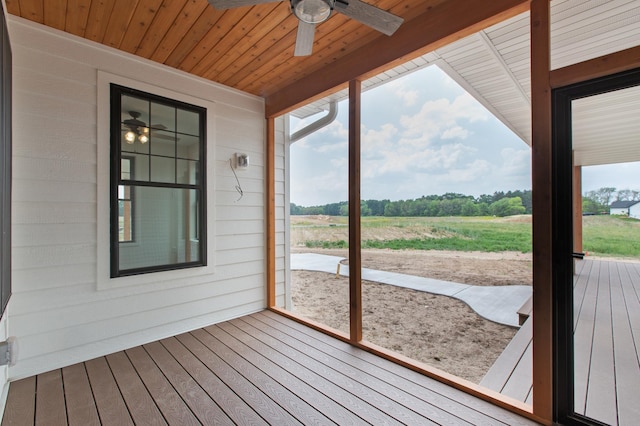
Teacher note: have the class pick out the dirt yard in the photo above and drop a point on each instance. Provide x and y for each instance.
(437, 330)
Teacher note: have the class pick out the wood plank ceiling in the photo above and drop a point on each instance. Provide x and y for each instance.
(248, 48)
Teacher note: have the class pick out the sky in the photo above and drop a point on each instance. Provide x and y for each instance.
(422, 134)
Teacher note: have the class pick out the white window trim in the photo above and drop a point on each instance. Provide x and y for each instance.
(171, 278)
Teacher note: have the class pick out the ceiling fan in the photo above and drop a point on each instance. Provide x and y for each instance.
(312, 12)
(135, 129)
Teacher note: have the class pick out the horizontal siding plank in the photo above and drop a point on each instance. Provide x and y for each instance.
(59, 170)
(38, 257)
(39, 212)
(51, 234)
(49, 190)
(56, 63)
(54, 107)
(33, 280)
(122, 310)
(57, 86)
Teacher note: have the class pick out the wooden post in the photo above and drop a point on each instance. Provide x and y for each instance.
(355, 262)
(542, 207)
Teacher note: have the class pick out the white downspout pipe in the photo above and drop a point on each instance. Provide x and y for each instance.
(316, 125)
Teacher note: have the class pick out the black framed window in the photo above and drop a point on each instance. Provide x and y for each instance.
(5, 165)
(158, 194)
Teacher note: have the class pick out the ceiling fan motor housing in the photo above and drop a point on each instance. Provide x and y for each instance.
(312, 11)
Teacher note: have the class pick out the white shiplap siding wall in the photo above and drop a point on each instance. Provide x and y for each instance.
(60, 311)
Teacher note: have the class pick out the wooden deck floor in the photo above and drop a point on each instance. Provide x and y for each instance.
(258, 369)
(606, 340)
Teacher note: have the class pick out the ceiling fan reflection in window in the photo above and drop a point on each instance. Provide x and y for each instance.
(135, 129)
(312, 12)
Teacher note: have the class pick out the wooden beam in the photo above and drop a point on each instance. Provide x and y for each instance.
(271, 213)
(624, 60)
(541, 153)
(355, 261)
(437, 27)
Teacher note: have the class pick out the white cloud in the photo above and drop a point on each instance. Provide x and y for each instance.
(456, 132)
(374, 143)
(469, 173)
(443, 119)
(515, 161)
(408, 95)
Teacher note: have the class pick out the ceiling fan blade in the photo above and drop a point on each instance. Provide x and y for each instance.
(378, 19)
(230, 4)
(304, 39)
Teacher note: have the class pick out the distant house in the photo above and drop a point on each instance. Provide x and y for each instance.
(628, 208)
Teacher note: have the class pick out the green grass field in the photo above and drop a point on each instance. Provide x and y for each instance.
(603, 235)
(611, 236)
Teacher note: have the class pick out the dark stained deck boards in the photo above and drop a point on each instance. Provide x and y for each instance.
(81, 407)
(50, 396)
(264, 406)
(173, 408)
(140, 404)
(20, 408)
(236, 408)
(468, 407)
(606, 342)
(368, 410)
(201, 404)
(258, 369)
(288, 401)
(384, 411)
(305, 383)
(109, 401)
(383, 398)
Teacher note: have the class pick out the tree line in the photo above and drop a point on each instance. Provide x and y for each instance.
(453, 204)
(450, 204)
(599, 200)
